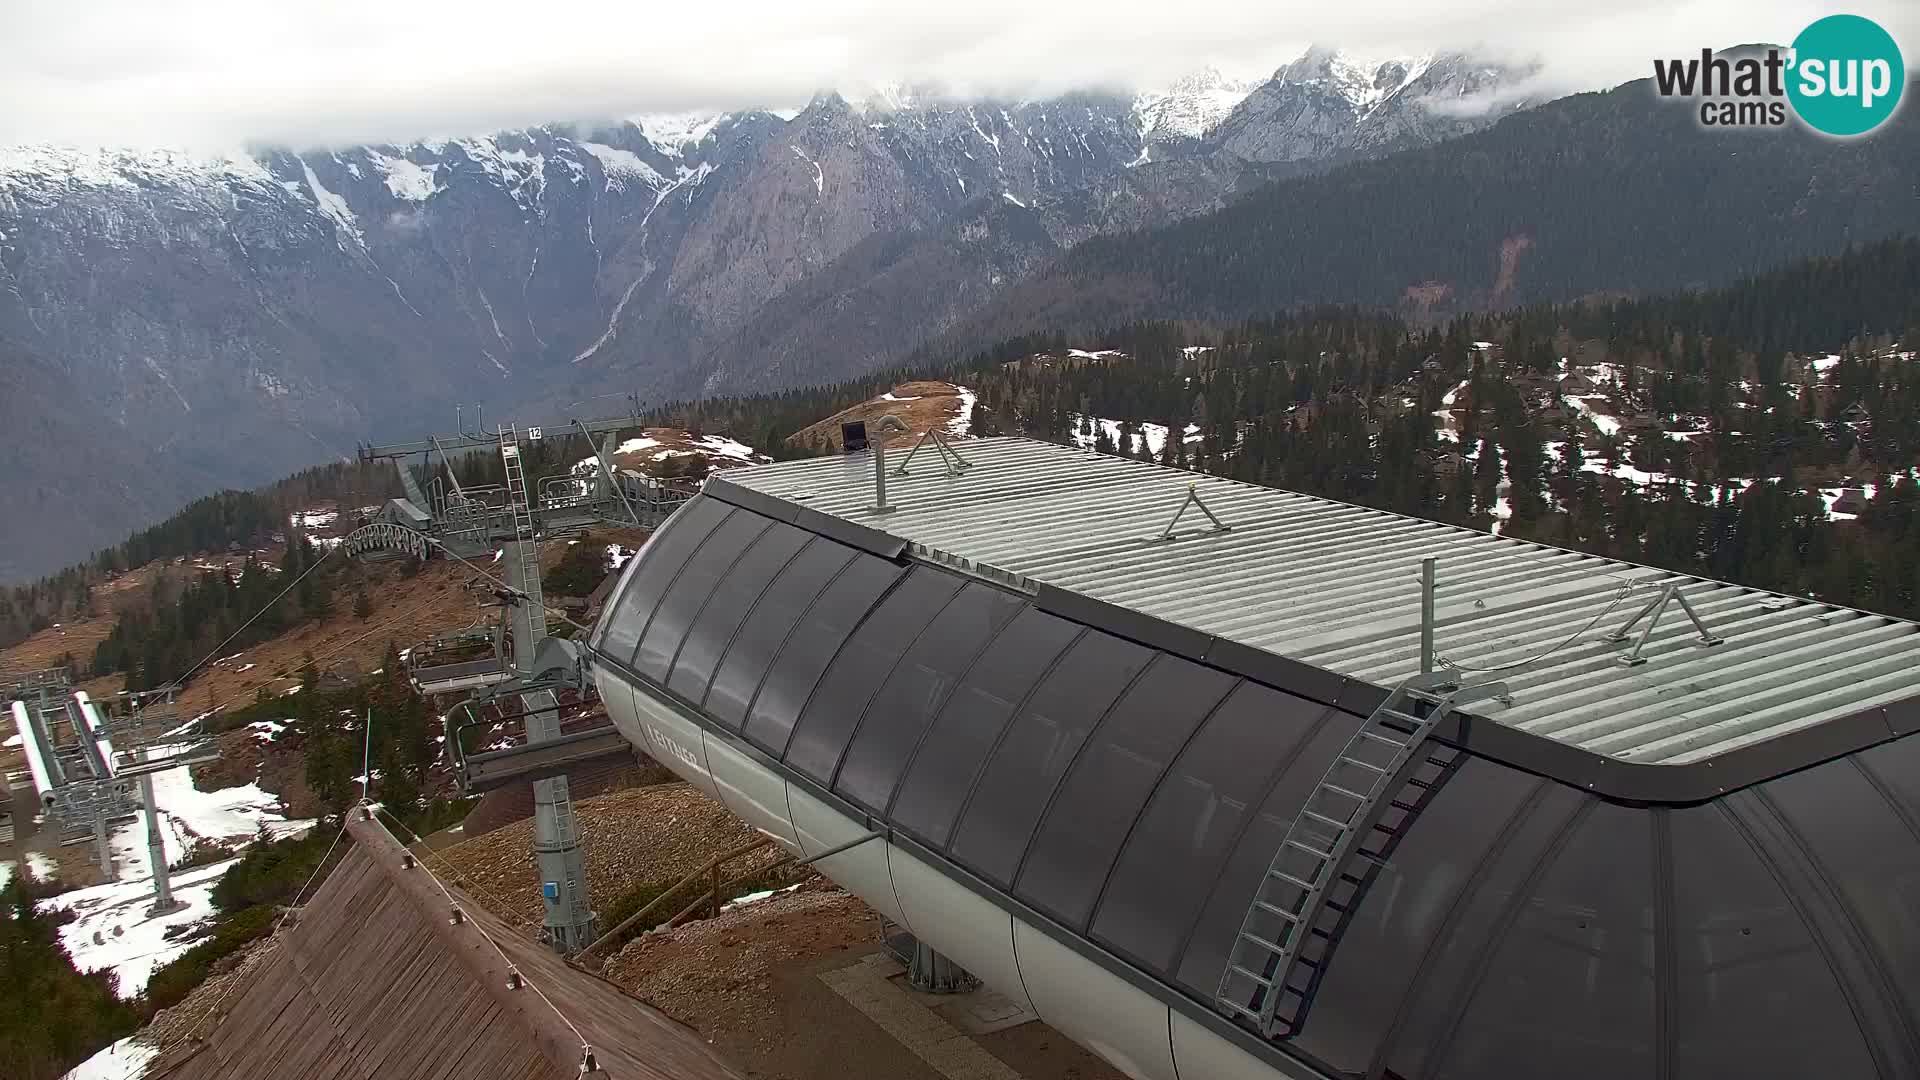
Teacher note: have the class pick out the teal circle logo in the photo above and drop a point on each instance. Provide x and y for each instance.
(1847, 75)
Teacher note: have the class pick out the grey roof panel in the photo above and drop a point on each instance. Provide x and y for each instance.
(1335, 586)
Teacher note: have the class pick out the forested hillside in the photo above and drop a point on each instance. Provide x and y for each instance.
(1708, 431)
(249, 520)
(1763, 433)
(1620, 429)
(238, 520)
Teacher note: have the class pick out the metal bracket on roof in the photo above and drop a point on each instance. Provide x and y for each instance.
(948, 455)
(886, 424)
(1655, 608)
(1192, 499)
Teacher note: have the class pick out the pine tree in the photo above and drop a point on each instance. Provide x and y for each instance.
(51, 1016)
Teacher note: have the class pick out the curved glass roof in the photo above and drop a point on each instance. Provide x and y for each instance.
(1133, 798)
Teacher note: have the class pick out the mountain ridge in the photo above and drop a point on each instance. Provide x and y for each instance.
(1638, 200)
(241, 317)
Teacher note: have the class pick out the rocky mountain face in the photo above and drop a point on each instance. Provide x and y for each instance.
(225, 321)
(1326, 107)
(1600, 195)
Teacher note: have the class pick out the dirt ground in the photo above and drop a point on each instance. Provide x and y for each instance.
(630, 838)
(653, 447)
(716, 974)
(749, 981)
(921, 405)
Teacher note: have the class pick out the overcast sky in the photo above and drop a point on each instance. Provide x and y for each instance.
(218, 74)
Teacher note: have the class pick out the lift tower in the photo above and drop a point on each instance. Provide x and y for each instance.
(470, 521)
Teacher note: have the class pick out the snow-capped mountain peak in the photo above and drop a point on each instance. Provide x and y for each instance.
(1363, 82)
(1191, 106)
(891, 97)
(57, 167)
(675, 134)
(1330, 104)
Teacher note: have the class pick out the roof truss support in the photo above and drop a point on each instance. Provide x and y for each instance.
(1192, 499)
(1655, 608)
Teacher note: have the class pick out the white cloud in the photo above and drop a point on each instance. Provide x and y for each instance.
(214, 74)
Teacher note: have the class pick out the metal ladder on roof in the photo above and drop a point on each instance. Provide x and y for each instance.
(1386, 770)
(527, 546)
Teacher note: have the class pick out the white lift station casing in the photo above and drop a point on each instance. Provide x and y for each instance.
(1094, 748)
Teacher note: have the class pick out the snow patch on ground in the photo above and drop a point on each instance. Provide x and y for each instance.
(124, 1060)
(41, 867)
(230, 814)
(962, 425)
(131, 942)
(721, 446)
(631, 446)
(1154, 434)
(1608, 425)
(756, 897)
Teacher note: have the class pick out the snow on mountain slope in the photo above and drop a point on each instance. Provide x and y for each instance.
(1192, 106)
(1328, 106)
(54, 169)
(1365, 82)
(677, 134)
(406, 179)
(315, 299)
(623, 167)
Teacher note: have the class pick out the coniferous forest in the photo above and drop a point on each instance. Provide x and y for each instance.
(1765, 433)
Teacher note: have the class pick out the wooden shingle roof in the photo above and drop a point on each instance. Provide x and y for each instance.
(375, 981)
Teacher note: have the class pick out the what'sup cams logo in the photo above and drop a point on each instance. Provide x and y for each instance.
(1843, 76)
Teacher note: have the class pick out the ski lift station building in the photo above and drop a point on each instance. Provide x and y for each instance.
(1173, 789)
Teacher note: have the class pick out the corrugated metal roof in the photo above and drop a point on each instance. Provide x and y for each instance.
(1337, 586)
